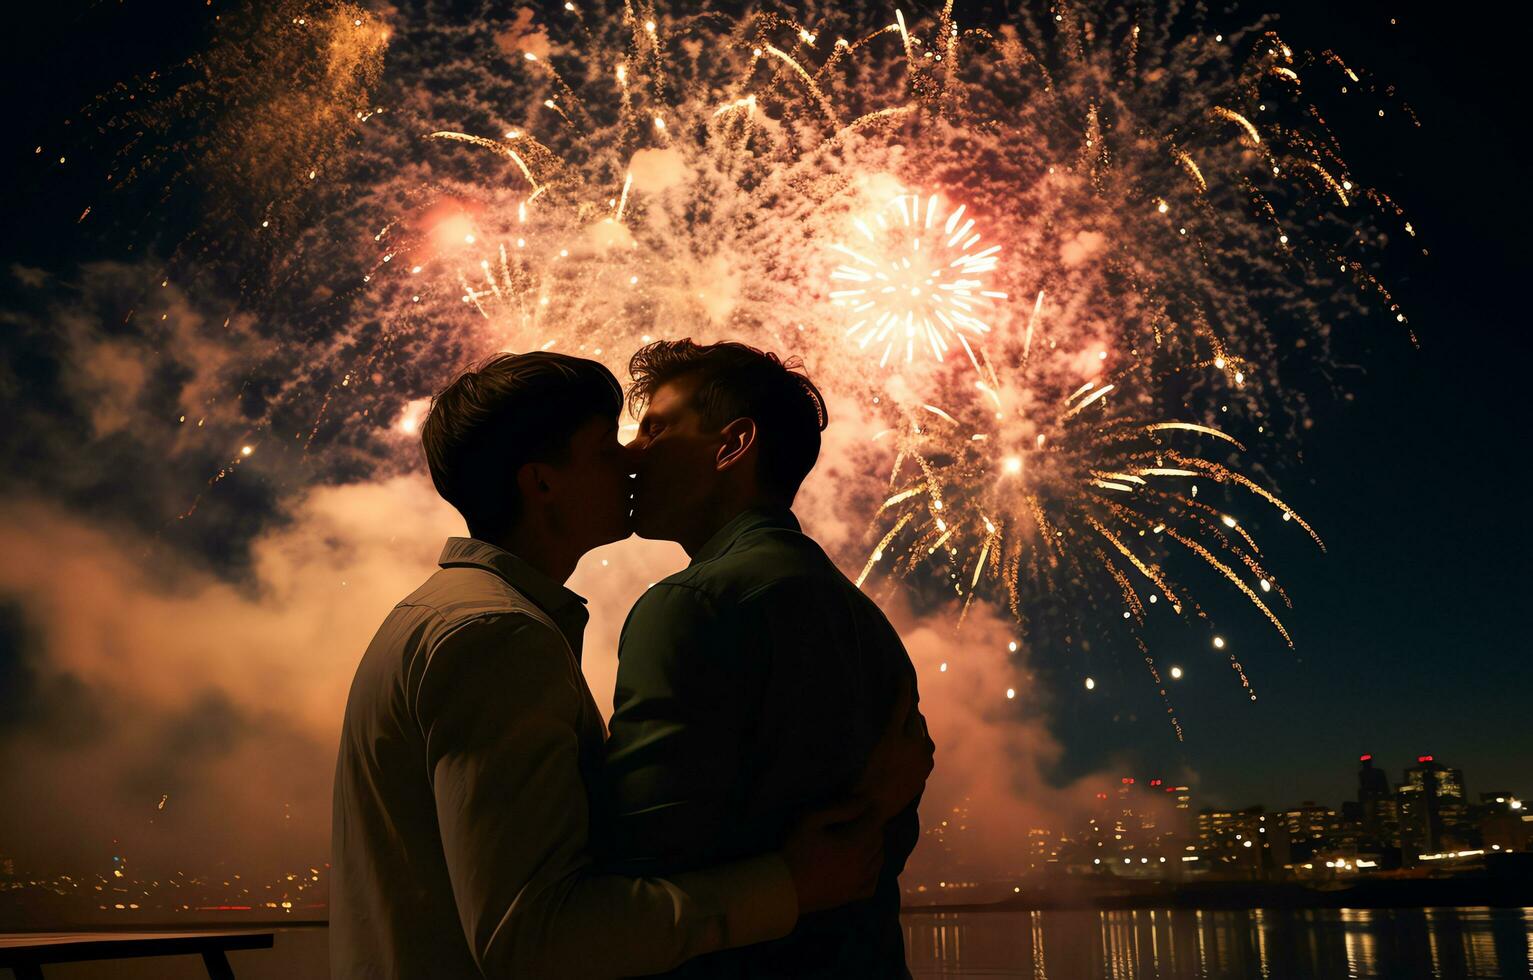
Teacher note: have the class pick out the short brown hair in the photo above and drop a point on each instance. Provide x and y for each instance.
(507, 411)
(738, 381)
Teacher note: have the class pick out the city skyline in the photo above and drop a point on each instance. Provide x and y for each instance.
(1178, 796)
(1425, 828)
(1143, 829)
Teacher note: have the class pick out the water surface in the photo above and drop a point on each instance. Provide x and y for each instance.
(1316, 944)
(1159, 944)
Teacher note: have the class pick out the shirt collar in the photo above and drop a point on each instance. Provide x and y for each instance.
(747, 520)
(564, 607)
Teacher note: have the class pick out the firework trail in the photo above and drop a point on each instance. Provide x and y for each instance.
(1064, 263)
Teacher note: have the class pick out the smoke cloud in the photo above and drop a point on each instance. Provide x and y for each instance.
(186, 721)
(173, 667)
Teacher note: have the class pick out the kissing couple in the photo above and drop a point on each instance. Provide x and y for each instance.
(750, 805)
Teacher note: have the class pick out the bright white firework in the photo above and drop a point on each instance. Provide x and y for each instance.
(915, 281)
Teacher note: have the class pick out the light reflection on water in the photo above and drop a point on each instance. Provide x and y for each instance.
(1164, 944)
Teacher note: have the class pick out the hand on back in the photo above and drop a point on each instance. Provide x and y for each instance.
(836, 855)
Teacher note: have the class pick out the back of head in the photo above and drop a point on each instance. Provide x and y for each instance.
(738, 381)
(505, 412)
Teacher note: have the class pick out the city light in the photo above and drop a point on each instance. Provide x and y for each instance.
(1448, 855)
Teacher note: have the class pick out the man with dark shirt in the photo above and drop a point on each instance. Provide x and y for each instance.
(753, 684)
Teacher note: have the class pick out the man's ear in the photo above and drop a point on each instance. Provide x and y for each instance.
(532, 481)
(739, 437)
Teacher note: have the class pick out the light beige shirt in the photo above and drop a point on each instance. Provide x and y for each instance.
(461, 814)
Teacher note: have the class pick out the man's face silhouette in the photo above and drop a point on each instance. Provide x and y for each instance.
(675, 460)
(592, 486)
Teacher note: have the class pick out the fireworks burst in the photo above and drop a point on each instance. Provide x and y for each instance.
(1085, 501)
(1180, 234)
(914, 297)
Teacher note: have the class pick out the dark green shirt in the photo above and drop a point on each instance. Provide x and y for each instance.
(751, 688)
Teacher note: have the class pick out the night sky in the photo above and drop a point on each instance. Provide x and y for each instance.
(1410, 632)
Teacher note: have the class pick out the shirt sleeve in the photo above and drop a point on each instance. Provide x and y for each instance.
(499, 705)
(675, 753)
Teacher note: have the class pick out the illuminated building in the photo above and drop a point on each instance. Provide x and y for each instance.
(1433, 811)
(946, 834)
(1137, 830)
(1042, 847)
(1373, 821)
(1295, 835)
(1372, 784)
(1233, 843)
(1182, 797)
(1505, 823)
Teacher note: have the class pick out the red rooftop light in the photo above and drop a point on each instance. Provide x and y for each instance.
(1423, 758)
(1365, 758)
